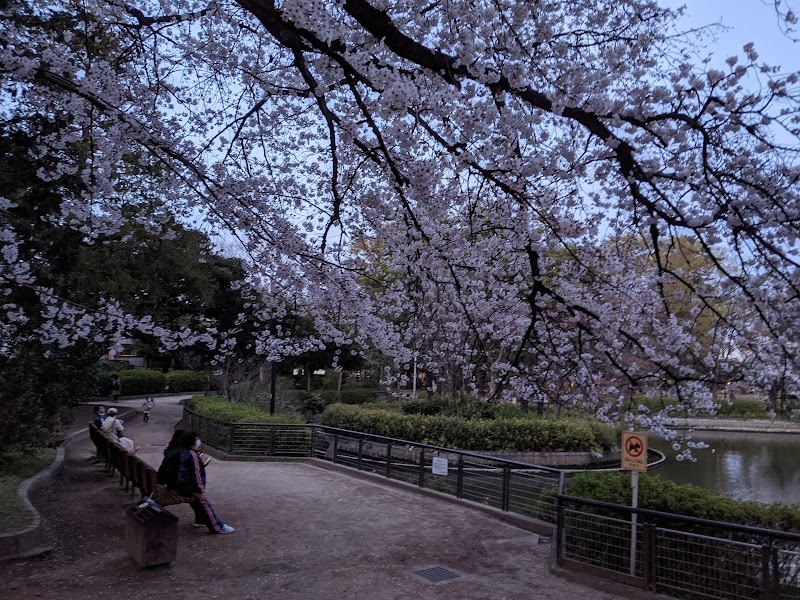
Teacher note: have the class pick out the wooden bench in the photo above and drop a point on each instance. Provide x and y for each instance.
(133, 472)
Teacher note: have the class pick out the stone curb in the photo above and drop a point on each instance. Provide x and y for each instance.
(32, 541)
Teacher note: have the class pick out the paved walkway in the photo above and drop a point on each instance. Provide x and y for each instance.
(302, 532)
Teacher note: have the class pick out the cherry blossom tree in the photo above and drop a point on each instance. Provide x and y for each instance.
(451, 173)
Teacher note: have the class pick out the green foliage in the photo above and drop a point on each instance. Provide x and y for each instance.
(220, 409)
(469, 407)
(141, 381)
(36, 384)
(690, 500)
(739, 408)
(311, 404)
(436, 405)
(348, 396)
(743, 408)
(186, 381)
(509, 435)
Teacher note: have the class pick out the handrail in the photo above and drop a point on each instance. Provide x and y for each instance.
(775, 533)
(319, 426)
(440, 448)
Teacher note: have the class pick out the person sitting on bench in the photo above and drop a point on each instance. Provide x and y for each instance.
(192, 482)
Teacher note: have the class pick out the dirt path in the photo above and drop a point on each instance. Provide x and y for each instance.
(301, 533)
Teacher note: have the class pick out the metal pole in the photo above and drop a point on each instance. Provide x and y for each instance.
(460, 477)
(559, 530)
(506, 488)
(634, 504)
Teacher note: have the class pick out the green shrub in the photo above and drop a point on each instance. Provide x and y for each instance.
(667, 496)
(509, 435)
(136, 382)
(744, 408)
(348, 396)
(220, 409)
(187, 381)
(311, 405)
(435, 405)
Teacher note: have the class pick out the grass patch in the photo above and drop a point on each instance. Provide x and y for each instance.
(16, 467)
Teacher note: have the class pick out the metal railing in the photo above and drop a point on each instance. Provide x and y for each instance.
(508, 485)
(675, 555)
(683, 557)
(511, 486)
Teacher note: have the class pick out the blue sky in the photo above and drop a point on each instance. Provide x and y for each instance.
(749, 21)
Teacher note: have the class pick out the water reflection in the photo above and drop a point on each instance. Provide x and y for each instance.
(744, 466)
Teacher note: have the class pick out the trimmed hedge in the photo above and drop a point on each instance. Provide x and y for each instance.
(436, 405)
(667, 496)
(507, 435)
(347, 396)
(138, 381)
(220, 409)
(187, 381)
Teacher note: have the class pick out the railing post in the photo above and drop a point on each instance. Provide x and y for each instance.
(769, 574)
(360, 452)
(389, 459)
(506, 488)
(560, 533)
(422, 467)
(272, 429)
(460, 477)
(649, 556)
(232, 434)
(335, 447)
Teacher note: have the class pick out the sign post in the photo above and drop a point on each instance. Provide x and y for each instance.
(634, 459)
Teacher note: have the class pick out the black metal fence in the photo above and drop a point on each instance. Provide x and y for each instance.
(683, 557)
(676, 555)
(511, 486)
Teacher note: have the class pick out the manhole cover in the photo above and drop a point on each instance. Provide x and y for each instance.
(437, 574)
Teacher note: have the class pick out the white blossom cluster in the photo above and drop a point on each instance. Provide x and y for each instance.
(546, 200)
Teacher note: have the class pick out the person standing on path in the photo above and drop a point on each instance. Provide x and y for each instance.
(148, 405)
(192, 482)
(116, 387)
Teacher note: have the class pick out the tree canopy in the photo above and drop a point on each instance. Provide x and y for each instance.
(479, 141)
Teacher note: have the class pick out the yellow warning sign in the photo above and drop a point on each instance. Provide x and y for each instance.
(634, 451)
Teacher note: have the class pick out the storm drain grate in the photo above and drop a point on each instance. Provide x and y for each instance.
(437, 574)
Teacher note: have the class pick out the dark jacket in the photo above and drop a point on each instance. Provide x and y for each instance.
(168, 471)
(191, 474)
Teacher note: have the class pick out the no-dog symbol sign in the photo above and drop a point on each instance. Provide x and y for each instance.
(634, 451)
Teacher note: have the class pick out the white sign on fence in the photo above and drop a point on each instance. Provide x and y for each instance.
(439, 466)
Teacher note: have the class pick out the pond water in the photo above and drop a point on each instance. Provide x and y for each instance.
(764, 467)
